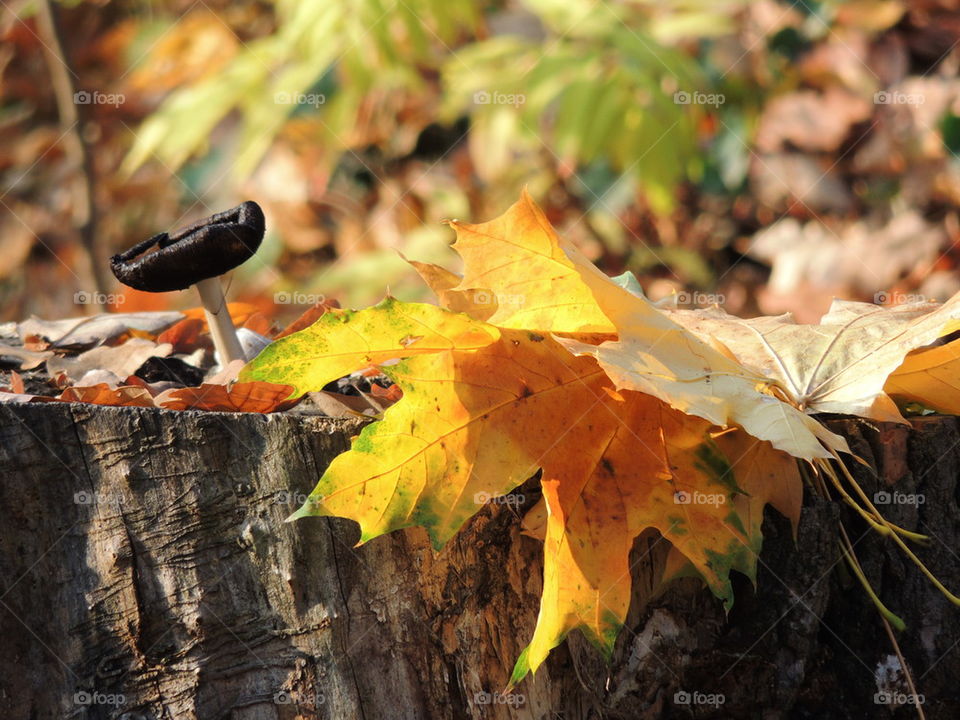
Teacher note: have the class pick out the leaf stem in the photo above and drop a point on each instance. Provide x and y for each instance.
(888, 615)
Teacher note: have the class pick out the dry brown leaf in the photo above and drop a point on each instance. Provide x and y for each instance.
(390, 394)
(309, 317)
(339, 406)
(103, 394)
(35, 343)
(17, 236)
(800, 182)
(195, 48)
(256, 397)
(259, 323)
(239, 313)
(185, 336)
(810, 120)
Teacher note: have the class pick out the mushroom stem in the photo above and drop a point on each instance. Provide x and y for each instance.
(225, 340)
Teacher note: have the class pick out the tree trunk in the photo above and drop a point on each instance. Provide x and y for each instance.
(146, 572)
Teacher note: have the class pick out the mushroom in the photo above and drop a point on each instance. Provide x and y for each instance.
(198, 255)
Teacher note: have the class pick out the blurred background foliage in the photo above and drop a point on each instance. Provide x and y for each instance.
(763, 155)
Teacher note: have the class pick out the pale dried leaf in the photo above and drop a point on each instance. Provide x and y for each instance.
(838, 366)
(655, 355)
(95, 330)
(121, 360)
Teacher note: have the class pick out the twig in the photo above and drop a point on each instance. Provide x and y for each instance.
(908, 676)
(62, 78)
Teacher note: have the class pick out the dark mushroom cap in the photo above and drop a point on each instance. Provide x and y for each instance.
(204, 250)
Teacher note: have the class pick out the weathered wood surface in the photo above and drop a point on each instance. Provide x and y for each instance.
(145, 568)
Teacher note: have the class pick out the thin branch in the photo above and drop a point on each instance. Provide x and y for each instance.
(62, 78)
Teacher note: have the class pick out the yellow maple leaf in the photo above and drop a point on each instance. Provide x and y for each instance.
(930, 377)
(516, 264)
(588, 523)
(471, 425)
(475, 303)
(541, 282)
(638, 419)
(342, 341)
(474, 424)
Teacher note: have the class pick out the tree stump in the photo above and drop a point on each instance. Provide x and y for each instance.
(146, 573)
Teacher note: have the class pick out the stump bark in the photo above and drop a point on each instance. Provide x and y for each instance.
(146, 573)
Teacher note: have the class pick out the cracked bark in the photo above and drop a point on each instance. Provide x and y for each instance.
(144, 561)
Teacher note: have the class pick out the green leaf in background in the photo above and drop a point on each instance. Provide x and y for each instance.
(554, 84)
(372, 45)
